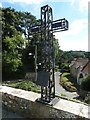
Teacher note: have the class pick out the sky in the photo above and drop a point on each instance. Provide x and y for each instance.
(75, 11)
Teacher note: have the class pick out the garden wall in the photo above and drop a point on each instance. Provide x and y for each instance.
(24, 102)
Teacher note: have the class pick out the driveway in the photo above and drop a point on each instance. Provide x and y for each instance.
(60, 90)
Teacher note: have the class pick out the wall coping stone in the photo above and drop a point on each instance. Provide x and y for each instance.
(64, 105)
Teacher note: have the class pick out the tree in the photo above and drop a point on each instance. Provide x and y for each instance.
(56, 50)
(13, 27)
(12, 57)
(16, 49)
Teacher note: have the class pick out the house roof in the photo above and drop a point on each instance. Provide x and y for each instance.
(83, 64)
(79, 63)
(86, 68)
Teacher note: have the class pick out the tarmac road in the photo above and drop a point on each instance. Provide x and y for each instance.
(60, 90)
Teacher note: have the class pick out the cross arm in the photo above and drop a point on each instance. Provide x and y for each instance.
(57, 26)
(60, 25)
(34, 29)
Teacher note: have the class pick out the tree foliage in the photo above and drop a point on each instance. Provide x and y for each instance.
(12, 55)
(86, 84)
(13, 44)
(65, 57)
(16, 49)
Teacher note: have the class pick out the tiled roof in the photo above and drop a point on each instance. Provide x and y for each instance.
(84, 64)
(86, 68)
(79, 63)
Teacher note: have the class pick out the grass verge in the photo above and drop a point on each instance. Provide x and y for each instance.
(68, 82)
(24, 85)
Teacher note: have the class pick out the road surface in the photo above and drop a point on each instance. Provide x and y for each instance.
(59, 90)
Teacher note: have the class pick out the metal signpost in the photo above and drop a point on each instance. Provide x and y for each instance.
(45, 77)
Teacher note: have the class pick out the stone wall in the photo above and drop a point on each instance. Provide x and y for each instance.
(31, 76)
(25, 104)
(0, 106)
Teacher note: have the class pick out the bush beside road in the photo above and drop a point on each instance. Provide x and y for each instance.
(68, 82)
(24, 85)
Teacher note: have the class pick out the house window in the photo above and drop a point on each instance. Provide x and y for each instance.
(80, 75)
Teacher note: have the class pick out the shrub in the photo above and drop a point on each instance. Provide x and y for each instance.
(26, 85)
(85, 85)
(87, 99)
(68, 82)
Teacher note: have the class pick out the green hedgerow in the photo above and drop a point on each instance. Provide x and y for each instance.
(85, 85)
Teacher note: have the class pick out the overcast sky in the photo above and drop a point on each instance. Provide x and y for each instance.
(75, 11)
